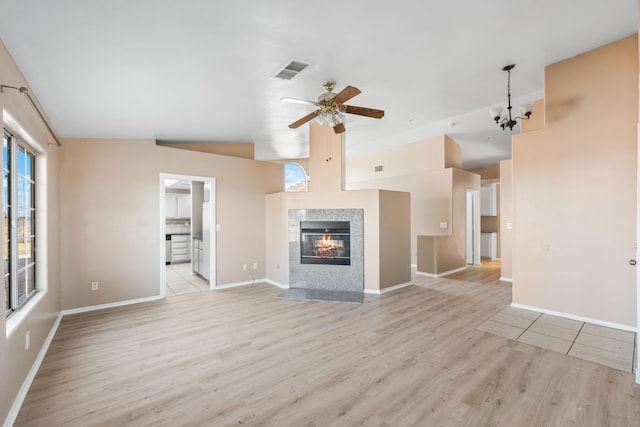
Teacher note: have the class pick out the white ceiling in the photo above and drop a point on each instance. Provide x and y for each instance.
(201, 70)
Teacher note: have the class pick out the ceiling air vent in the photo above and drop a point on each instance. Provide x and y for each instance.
(291, 70)
(377, 168)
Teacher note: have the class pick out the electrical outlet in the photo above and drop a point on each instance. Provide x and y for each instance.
(94, 286)
(244, 267)
(27, 340)
(255, 265)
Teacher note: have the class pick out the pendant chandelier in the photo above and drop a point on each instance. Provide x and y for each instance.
(503, 117)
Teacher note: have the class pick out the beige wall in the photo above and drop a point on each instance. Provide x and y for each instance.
(244, 150)
(417, 168)
(395, 238)
(15, 361)
(110, 216)
(399, 162)
(536, 121)
(487, 173)
(574, 186)
(439, 254)
(326, 170)
(506, 215)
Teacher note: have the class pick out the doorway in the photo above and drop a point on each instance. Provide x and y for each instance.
(204, 214)
(473, 227)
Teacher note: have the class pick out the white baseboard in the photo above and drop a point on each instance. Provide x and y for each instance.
(252, 282)
(238, 284)
(578, 318)
(389, 289)
(26, 384)
(446, 273)
(110, 305)
(506, 279)
(274, 283)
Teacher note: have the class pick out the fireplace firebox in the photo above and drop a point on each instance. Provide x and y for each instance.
(325, 242)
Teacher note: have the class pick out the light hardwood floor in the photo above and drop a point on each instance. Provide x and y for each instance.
(243, 356)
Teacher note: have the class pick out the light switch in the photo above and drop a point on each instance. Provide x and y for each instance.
(509, 226)
(217, 227)
(444, 225)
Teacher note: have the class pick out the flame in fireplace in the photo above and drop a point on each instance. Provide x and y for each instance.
(328, 247)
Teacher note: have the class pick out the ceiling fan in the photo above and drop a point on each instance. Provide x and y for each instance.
(331, 108)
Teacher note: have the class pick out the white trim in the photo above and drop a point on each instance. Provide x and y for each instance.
(26, 384)
(472, 223)
(238, 284)
(213, 234)
(389, 289)
(276, 284)
(110, 305)
(506, 279)
(446, 273)
(637, 252)
(578, 318)
(414, 266)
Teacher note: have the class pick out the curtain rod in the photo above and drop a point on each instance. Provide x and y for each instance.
(24, 90)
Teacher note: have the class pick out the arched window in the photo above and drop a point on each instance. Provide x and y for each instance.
(295, 178)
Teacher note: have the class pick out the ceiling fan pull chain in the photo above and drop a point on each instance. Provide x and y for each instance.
(328, 147)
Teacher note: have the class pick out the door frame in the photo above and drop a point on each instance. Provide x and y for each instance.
(637, 252)
(472, 221)
(163, 228)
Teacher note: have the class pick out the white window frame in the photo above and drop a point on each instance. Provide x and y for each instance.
(16, 210)
(305, 178)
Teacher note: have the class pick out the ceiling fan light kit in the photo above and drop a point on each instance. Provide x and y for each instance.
(331, 108)
(503, 116)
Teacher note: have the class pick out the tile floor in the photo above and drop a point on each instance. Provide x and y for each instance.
(598, 344)
(181, 280)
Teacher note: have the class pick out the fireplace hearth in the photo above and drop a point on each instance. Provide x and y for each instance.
(325, 242)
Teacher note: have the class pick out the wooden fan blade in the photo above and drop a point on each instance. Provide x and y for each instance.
(339, 128)
(304, 120)
(298, 101)
(346, 94)
(362, 111)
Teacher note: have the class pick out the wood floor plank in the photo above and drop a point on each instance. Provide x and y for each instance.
(244, 356)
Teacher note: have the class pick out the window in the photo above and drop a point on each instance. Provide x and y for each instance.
(18, 178)
(295, 178)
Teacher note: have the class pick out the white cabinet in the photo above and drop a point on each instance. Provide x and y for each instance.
(184, 205)
(177, 205)
(488, 200)
(180, 250)
(488, 245)
(197, 256)
(170, 205)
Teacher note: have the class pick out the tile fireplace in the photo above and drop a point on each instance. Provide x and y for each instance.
(326, 250)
